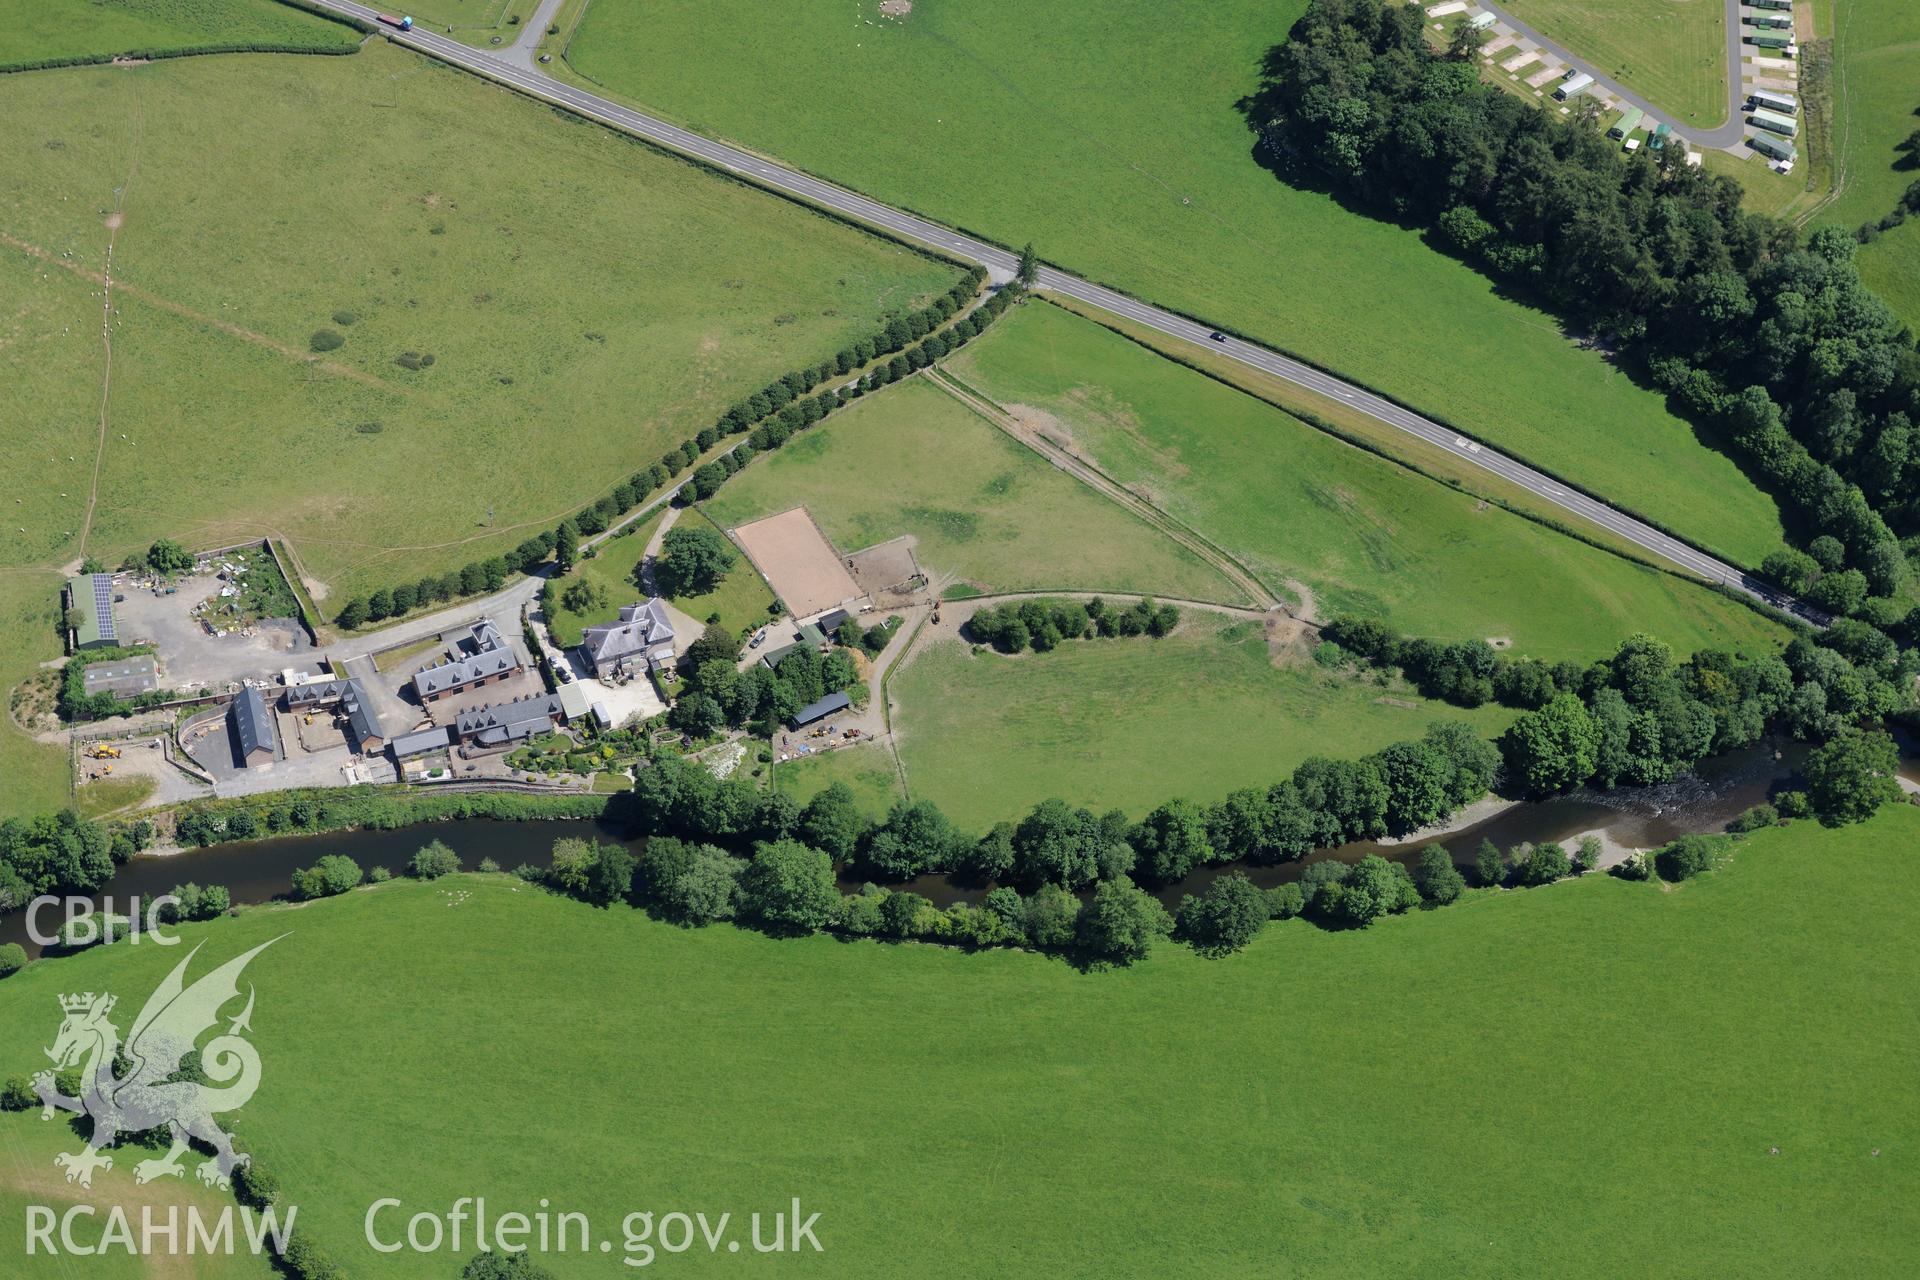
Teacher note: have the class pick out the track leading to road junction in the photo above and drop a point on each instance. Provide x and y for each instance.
(920, 230)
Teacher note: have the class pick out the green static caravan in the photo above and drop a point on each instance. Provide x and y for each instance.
(1774, 122)
(1659, 139)
(1771, 4)
(1780, 44)
(1773, 145)
(1778, 21)
(1771, 101)
(1629, 121)
(1481, 21)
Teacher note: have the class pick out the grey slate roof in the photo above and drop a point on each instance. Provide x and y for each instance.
(251, 723)
(353, 704)
(642, 629)
(820, 710)
(510, 721)
(132, 675)
(425, 740)
(486, 653)
(832, 620)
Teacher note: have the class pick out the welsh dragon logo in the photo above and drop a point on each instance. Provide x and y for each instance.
(142, 1085)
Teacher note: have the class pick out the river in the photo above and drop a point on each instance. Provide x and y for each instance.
(1639, 817)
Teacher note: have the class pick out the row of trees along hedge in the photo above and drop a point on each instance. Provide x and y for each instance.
(1768, 336)
(208, 822)
(774, 402)
(184, 51)
(796, 415)
(1325, 802)
(63, 853)
(1640, 717)
(1041, 625)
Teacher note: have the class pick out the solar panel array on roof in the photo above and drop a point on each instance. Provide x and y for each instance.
(103, 605)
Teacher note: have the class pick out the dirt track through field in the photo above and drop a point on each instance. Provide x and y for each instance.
(1091, 476)
(114, 222)
(199, 317)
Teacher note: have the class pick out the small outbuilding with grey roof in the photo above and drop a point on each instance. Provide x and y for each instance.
(252, 727)
(438, 738)
(821, 710)
(121, 677)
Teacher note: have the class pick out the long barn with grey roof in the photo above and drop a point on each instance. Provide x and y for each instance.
(252, 726)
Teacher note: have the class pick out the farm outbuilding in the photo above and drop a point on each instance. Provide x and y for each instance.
(813, 711)
(121, 678)
(252, 727)
(90, 601)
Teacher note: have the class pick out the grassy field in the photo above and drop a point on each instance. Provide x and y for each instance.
(1130, 723)
(580, 311)
(1672, 52)
(28, 1177)
(867, 770)
(485, 24)
(1877, 104)
(741, 599)
(1584, 1080)
(1361, 533)
(104, 28)
(37, 776)
(1099, 125)
(103, 796)
(1891, 268)
(1877, 87)
(912, 460)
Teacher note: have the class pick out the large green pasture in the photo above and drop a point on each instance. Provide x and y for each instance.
(104, 28)
(1128, 723)
(1877, 87)
(910, 459)
(581, 311)
(1672, 52)
(1107, 134)
(1585, 1080)
(1877, 105)
(1362, 533)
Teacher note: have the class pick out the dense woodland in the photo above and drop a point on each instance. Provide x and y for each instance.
(1758, 332)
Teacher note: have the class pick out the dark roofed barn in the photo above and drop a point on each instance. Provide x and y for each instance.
(821, 710)
(252, 726)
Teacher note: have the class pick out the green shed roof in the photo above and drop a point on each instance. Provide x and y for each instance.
(91, 596)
